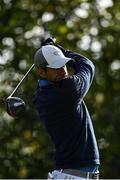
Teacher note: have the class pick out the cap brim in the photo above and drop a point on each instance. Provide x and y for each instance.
(60, 63)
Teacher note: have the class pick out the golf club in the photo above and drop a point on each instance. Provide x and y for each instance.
(15, 105)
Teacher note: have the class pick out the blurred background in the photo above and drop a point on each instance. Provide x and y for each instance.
(89, 27)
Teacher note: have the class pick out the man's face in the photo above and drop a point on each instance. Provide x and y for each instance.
(54, 74)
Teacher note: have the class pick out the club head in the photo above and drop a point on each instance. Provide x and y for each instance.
(15, 106)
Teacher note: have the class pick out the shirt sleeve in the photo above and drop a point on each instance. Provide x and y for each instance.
(78, 84)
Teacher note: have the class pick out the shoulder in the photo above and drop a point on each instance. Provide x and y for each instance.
(72, 80)
(71, 85)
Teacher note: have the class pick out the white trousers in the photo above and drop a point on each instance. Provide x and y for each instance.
(59, 175)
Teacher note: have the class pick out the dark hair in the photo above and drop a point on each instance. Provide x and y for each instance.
(45, 69)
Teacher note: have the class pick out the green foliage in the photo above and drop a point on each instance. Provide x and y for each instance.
(91, 28)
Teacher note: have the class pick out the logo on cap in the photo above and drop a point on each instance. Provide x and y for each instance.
(56, 53)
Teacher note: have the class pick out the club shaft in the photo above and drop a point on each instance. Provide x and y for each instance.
(22, 80)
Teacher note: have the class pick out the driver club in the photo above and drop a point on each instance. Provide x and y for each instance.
(15, 105)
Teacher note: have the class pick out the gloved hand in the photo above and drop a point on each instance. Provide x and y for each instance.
(48, 41)
(52, 41)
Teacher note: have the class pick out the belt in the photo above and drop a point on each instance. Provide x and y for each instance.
(87, 175)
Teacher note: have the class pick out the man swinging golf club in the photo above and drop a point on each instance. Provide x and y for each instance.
(59, 101)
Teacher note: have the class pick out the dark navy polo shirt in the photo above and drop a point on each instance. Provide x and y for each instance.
(66, 117)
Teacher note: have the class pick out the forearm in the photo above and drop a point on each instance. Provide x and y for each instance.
(81, 61)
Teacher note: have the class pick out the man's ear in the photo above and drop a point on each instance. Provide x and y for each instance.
(41, 72)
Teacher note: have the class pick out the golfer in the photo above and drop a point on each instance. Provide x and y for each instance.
(59, 101)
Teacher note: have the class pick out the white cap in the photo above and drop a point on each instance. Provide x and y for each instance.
(50, 56)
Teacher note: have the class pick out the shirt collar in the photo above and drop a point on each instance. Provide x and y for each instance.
(44, 82)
